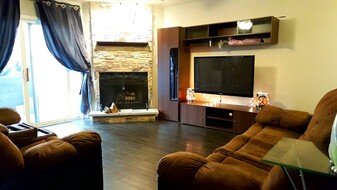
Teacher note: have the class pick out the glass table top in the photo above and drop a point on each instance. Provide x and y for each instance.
(300, 155)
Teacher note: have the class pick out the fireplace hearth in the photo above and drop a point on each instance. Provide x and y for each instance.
(128, 90)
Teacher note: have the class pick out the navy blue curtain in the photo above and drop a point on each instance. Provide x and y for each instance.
(63, 32)
(9, 22)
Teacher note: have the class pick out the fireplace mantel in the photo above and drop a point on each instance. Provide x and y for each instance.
(122, 44)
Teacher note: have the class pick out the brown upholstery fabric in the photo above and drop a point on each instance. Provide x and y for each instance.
(9, 116)
(180, 167)
(212, 175)
(276, 180)
(237, 164)
(84, 140)
(318, 131)
(43, 140)
(319, 128)
(11, 160)
(290, 119)
(295, 120)
(46, 161)
(3, 129)
(269, 115)
(48, 154)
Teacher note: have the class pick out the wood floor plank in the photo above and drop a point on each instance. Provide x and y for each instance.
(131, 151)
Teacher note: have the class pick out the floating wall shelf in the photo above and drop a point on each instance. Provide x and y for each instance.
(263, 31)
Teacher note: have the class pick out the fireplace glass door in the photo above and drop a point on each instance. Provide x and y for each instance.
(128, 90)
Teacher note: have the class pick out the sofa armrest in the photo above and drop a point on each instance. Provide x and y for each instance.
(84, 141)
(289, 119)
(48, 154)
(180, 167)
(22, 134)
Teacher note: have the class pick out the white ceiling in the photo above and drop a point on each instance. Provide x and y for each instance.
(154, 2)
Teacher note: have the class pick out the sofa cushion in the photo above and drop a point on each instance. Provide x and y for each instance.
(289, 119)
(48, 154)
(9, 116)
(240, 140)
(11, 160)
(218, 176)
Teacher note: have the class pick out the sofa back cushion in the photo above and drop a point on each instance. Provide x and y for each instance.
(11, 159)
(9, 116)
(289, 119)
(319, 128)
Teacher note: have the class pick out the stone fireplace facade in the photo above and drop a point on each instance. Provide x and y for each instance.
(122, 57)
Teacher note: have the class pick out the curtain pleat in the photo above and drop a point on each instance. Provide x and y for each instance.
(9, 22)
(63, 33)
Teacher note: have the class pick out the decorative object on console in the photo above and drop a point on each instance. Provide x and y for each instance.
(190, 95)
(262, 98)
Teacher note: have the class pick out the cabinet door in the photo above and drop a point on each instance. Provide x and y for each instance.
(242, 121)
(168, 38)
(170, 96)
(192, 115)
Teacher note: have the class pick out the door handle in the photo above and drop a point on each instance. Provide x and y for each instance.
(26, 74)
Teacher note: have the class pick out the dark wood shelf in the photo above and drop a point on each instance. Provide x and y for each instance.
(219, 118)
(221, 128)
(265, 28)
(128, 44)
(227, 36)
(225, 117)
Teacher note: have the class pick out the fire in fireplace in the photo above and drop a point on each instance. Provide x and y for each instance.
(128, 90)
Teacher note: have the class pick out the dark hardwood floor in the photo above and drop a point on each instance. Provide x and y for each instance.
(131, 151)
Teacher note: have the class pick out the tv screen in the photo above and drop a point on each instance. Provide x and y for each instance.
(225, 75)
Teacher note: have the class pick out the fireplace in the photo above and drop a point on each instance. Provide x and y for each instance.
(128, 90)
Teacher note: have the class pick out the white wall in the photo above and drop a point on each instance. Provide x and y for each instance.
(297, 71)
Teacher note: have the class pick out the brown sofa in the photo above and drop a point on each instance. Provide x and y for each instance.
(29, 162)
(237, 165)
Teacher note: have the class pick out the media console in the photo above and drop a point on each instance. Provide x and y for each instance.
(226, 117)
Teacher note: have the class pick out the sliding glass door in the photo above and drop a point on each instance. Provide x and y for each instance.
(41, 89)
(11, 82)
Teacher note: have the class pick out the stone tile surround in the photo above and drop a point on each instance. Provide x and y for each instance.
(123, 58)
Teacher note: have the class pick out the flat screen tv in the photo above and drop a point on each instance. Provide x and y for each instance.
(225, 75)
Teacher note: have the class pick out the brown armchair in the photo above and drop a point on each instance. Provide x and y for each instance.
(47, 161)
